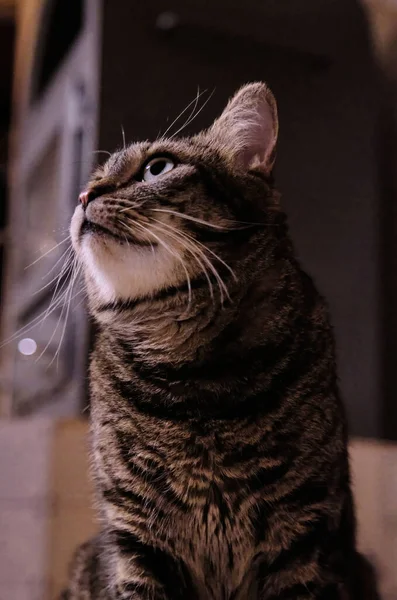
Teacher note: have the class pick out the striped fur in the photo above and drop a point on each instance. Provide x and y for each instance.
(219, 441)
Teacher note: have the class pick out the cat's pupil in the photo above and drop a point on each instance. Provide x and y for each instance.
(158, 167)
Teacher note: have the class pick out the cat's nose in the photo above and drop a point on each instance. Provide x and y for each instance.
(86, 197)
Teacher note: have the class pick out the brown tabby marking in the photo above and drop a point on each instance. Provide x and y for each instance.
(218, 435)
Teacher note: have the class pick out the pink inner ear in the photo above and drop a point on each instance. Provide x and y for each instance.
(262, 139)
(248, 128)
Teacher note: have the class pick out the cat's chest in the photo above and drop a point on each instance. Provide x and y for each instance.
(210, 529)
(181, 496)
(215, 543)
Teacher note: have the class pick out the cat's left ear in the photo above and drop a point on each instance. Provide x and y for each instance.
(247, 129)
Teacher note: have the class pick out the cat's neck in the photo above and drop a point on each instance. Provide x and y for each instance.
(166, 333)
(209, 363)
(176, 326)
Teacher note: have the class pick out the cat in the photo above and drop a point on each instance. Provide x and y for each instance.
(219, 440)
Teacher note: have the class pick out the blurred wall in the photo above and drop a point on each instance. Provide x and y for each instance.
(7, 34)
(382, 15)
(318, 59)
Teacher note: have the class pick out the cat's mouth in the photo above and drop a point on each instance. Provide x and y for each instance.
(94, 228)
(89, 227)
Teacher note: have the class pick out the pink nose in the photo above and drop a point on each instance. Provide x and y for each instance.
(84, 198)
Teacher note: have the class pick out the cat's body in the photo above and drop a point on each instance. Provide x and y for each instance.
(218, 436)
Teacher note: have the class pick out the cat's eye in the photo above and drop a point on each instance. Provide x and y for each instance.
(157, 167)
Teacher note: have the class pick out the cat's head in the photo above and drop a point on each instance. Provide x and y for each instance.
(172, 213)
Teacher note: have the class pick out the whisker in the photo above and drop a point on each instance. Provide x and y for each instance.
(58, 297)
(246, 224)
(53, 333)
(48, 252)
(132, 207)
(228, 267)
(66, 276)
(210, 286)
(123, 135)
(193, 109)
(63, 275)
(29, 326)
(175, 254)
(66, 267)
(102, 152)
(68, 251)
(195, 100)
(64, 295)
(69, 302)
(191, 119)
(190, 218)
(81, 301)
(221, 284)
(55, 330)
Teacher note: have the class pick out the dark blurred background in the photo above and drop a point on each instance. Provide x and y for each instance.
(84, 72)
(7, 39)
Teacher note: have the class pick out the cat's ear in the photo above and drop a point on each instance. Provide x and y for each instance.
(248, 127)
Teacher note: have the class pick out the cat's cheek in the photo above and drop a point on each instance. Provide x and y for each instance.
(96, 266)
(75, 227)
(128, 272)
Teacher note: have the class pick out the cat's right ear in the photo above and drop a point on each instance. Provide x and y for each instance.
(247, 130)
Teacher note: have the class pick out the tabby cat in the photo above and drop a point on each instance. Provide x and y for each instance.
(218, 435)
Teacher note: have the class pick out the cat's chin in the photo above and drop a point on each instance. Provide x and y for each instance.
(119, 270)
(124, 271)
